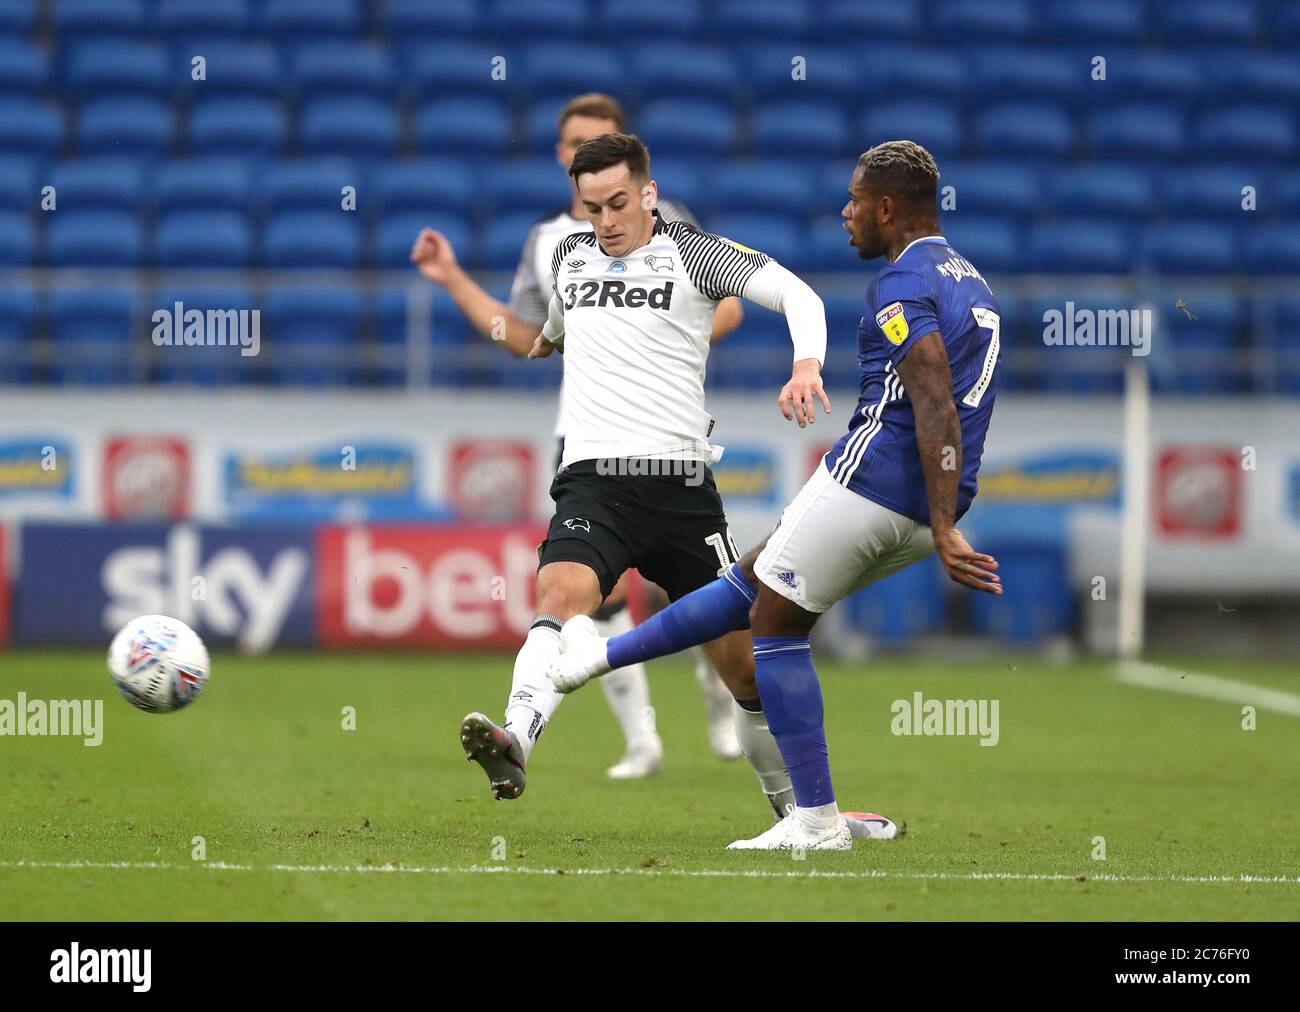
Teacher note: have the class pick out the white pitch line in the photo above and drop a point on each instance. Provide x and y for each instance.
(1192, 683)
(400, 869)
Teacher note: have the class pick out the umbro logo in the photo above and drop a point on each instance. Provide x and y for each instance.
(575, 266)
(578, 524)
(787, 578)
(657, 264)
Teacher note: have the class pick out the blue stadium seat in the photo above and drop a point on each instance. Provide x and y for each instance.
(457, 125)
(761, 186)
(94, 239)
(1265, 77)
(666, 18)
(32, 126)
(238, 127)
(1192, 247)
(208, 238)
(843, 314)
(17, 17)
(503, 240)
(18, 189)
(354, 127)
(933, 124)
(682, 127)
(767, 19)
(915, 72)
(825, 74)
(309, 185)
(125, 127)
(687, 70)
(1007, 19)
(349, 69)
(208, 18)
(530, 186)
(781, 237)
(298, 19)
(1263, 132)
(1079, 244)
(440, 70)
(93, 333)
(99, 184)
(439, 19)
(1145, 131)
(809, 128)
(17, 240)
(1064, 368)
(205, 366)
(1027, 73)
(17, 330)
(539, 125)
(1032, 130)
(910, 603)
(231, 68)
(1099, 20)
(828, 246)
(1282, 342)
(1101, 191)
(1143, 75)
(755, 355)
(1212, 21)
(203, 184)
(80, 18)
(310, 337)
(870, 19)
(1210, 192)
(396, 235)
(312, 239)
(565, 69)
(23, 67)
(1201, 355)
(1036, 602)
(1009, 189)
(1287, 187)
(1273, 249)
(1284, 23)
(424, 184)
(102, 68)
(557, 19)
(683, 182)
(994, 245)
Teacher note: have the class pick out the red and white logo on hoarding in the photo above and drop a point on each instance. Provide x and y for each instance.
(1198, 492)
(146, 477)
(492, 479)
(436, 587)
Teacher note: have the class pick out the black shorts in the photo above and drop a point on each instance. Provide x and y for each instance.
(669, 526)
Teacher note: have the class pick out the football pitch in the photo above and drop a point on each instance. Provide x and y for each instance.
(1100, 800)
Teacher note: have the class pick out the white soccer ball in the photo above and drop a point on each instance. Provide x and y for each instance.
(158, 664)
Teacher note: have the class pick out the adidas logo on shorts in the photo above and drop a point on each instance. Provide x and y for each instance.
(787, 578)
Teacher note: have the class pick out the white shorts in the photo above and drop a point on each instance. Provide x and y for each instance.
(832, 541)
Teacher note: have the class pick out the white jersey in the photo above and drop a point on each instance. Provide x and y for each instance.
(636, 340)
(530, 292)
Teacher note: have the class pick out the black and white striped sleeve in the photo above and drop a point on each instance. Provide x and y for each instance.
(565, 247)
(717, 266)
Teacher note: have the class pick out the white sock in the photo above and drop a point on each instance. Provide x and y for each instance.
(532, 697)
(626, 689)
(716, 694)
(821, 817)
(761, 750)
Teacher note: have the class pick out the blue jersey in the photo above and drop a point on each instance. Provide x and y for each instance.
(929, 287)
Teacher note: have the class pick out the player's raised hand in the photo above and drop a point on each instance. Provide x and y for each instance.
(965, 565)
(434, 254)
(799, 396)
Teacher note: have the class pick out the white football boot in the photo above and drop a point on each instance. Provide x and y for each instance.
(793, 832)
(721, 720)
(870, 826)
(582, 655)
(644, 759)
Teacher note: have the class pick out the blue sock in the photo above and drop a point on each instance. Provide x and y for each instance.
(702, 615)
(792, 700)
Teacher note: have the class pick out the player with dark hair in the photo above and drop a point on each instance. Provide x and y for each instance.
(888, 494)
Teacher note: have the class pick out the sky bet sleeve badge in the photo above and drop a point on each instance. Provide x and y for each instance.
(892, 321)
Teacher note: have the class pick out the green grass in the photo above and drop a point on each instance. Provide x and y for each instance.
(261, 769)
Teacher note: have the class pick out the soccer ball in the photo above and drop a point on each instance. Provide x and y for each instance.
(158, 664)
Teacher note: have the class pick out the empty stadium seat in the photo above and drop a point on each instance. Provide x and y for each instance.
(23, 67)
(1101, 191)
(828, 246)
(208, 238)
(17, 183)
(914, 72)
(760, 186)
(1027, 73)
(1143, 131)
(17, 240)
(671, 18)
(780, 236)
(1265, 77)
(348, 69)
(813, 129)
(99, 184)
(125, 127)
(309, 184)
(73, 19)
(204, 365)
(1007, 19)
(30, 126)
(1085, 245)
(533, 186)
(787, 19)
(1028, 130)
(17, 17)
(424, 184)
(312, 239)
(992, 244)
(935, 125)
(1100, 20)
(1190, 248)
(503, 240)
(1144, 75)
(213, 184)
(231, 68)
(458, 126)
(396, 233)
(1209, 191)
(355, 127)
(17, 331)
(310, 337)
(244, 127)
(684, 183)
(1273, 249)
(820, 74)
(1200, 349)
(1282, 345)
(438, 19)
(557, 19)
(93, 334)
(1261, 132)
(203, 17)
(870, 19)
(566, 69)
(297, 19)
(119, 67)
(94, 239)
(687, 70)
(1008, 189)
(1212, 21)
(687, 127)
(440, 70)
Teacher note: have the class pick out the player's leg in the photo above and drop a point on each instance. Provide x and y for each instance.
(627, 691)
(720, 723)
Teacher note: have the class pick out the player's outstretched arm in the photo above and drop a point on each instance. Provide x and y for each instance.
(779, 289)
(928, 383)
(435, 257)
(552, 336)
